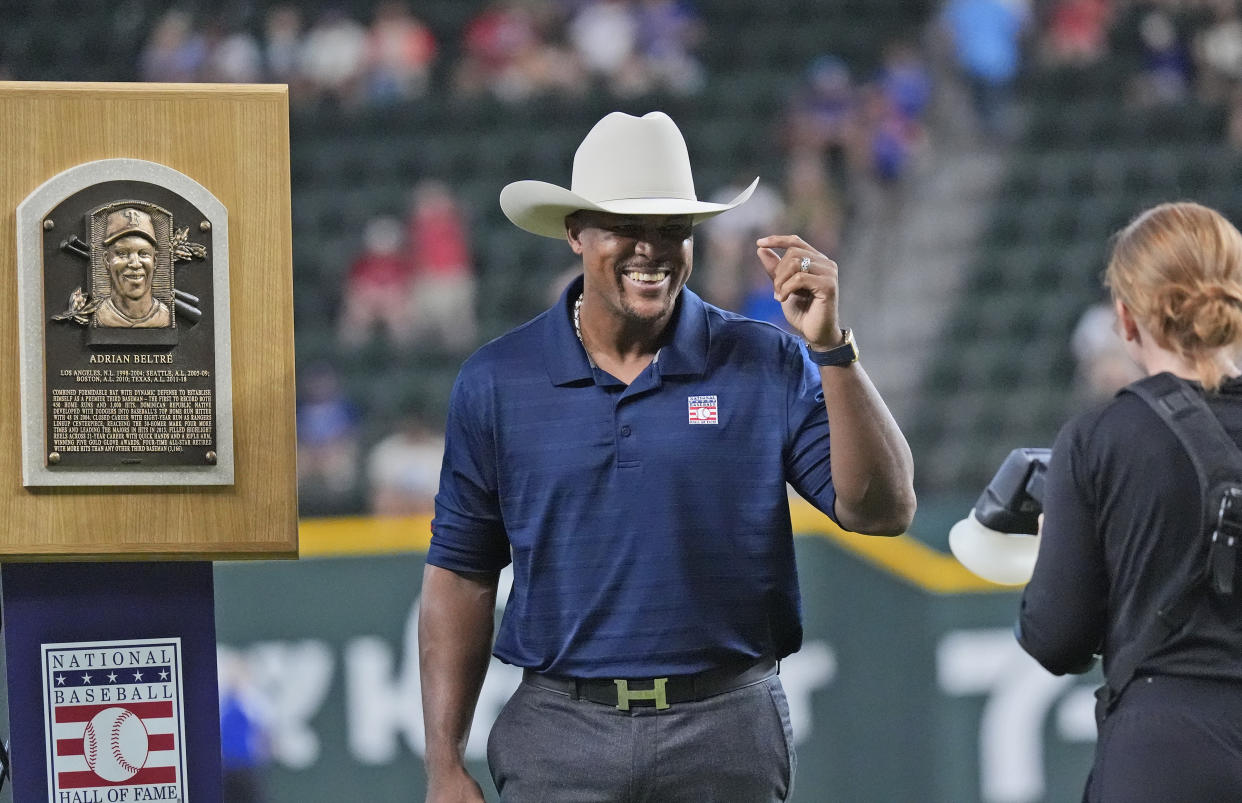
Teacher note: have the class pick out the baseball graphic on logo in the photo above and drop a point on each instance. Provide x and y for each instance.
(115, 744)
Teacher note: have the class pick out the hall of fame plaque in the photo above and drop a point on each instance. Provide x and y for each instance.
(124, 329)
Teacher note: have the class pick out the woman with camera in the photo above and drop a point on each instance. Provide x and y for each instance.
(1123, 564)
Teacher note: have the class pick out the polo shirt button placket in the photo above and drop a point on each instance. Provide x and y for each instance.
(627, 447)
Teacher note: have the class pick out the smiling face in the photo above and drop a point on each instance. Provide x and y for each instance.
(635, 265)
(130, 261)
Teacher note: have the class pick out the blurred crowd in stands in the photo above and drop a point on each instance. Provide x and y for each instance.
(412, 283)
(414, 279)
(839, 137)
(849, 137)
(985, 39)
(511, 49)
(1175, 50)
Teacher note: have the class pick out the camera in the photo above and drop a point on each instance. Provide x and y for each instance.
(998, 540)
(1014, 498)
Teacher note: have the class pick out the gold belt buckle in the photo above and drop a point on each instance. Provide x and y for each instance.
(656, 693)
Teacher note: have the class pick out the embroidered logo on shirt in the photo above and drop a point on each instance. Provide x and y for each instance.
(702, 409)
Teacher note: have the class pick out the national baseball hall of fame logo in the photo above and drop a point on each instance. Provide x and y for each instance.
(112, 713)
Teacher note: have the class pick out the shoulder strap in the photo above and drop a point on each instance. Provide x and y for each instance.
(1217, 461)
(1218, 464)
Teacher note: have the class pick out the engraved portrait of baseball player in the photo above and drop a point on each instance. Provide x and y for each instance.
(129, 255)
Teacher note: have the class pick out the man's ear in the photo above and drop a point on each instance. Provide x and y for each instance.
(573, 233)
(1125, 319)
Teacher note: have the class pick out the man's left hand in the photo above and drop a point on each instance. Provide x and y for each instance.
(808, 295)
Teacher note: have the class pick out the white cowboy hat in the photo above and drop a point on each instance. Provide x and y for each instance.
(626, 166)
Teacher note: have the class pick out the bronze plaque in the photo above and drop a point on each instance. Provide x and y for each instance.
(130, 325)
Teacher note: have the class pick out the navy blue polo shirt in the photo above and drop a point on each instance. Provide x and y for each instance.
(648, 525)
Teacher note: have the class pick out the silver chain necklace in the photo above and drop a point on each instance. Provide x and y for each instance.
(578, 330)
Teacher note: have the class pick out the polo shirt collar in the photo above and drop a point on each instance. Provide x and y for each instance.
(684, 354)
(563, 354)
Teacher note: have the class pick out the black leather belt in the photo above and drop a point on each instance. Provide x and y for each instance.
(661, 693)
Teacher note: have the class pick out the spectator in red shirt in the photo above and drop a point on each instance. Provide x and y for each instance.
(443, 271)
(378, 286)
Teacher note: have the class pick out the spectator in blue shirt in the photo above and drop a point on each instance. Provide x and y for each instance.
(986, 37)
(628, 451)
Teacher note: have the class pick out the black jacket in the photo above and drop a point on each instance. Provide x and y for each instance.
(1121, 538)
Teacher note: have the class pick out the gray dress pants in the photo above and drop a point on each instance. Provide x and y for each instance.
(735, 747)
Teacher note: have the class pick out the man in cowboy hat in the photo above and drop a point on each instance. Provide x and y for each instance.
(628, 451)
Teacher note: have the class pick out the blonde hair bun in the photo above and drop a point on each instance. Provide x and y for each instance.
(1217, 315)
(1178, 267)
(1205, 317)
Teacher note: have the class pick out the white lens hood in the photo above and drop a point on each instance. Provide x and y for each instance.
(1004, 558)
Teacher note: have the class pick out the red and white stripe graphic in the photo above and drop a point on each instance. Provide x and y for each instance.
(83, 758)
